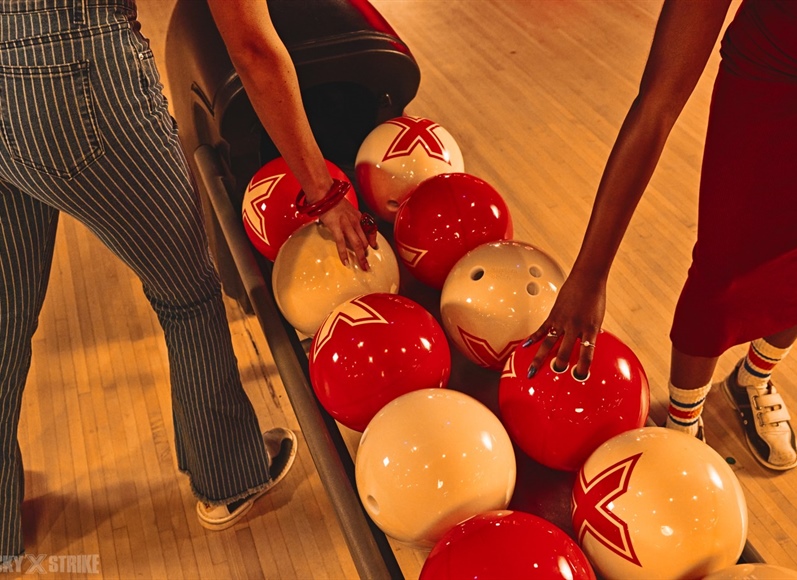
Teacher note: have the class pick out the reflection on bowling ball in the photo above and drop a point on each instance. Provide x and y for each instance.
(444, 218)
(430, 459)
(370, 350)
(309, 280)
(495, 296)
(658, 503)
(399, 154)
(503, 545)
(269, 205)
(753, 572)
(557, 419)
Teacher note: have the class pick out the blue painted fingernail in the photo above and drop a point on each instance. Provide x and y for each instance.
(532, 372)
(528, 342)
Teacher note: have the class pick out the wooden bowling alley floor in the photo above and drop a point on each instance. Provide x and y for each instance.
(534, 91)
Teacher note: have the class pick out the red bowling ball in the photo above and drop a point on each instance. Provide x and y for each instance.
(269, 205)
(506, 544)
(444, 218)
(559, 420)
(370, 350)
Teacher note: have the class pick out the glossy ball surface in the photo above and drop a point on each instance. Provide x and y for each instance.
(500, 545)
(495, 296)
(309, 280)
(399, 154)
(269, 205)
(372, 349)
(444, 218)
(559, 420)
(431, 459)
(658, 503)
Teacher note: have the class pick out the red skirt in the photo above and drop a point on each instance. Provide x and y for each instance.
(742, 283)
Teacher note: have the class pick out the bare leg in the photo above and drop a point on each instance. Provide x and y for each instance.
(690, 382)
(691, 372)
(783, 339)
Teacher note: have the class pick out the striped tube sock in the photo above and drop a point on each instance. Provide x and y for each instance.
(759, 363)
(685, 408)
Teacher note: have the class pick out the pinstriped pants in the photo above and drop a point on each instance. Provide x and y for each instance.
(84, 129)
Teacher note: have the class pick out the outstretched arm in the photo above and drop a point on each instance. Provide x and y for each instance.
(269, 78)
(684, 38)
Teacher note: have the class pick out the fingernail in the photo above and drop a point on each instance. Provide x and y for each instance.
(346, 263)
(532, 372)
(528, 342)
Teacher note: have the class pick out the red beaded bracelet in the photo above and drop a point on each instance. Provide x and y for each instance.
(336, 192)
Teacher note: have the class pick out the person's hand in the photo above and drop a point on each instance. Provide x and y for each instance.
(577, 313)
(351, 229)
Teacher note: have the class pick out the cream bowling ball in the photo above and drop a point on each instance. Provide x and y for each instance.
(399, 154)
(309, 280)
(429, 460)
(496, 296)
(658, 503)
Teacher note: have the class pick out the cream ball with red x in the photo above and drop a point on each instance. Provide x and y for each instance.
(399, 154)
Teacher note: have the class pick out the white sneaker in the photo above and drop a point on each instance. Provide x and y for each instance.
(281, 451)
(766, 422)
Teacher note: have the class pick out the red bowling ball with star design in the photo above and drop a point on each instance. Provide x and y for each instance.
(269, 205)
(372, 349)
(444, 218)
(558, 419)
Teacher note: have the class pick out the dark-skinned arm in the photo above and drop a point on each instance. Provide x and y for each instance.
(685, 35)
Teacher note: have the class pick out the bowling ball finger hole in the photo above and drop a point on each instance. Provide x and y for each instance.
(372, 504)
(477, 274)
(533, 288)
(558, 371)
(535, 271)
(578, 378)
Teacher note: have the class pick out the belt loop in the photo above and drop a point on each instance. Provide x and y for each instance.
(79, 12)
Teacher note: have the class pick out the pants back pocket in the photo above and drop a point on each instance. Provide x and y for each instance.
(48, 117)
